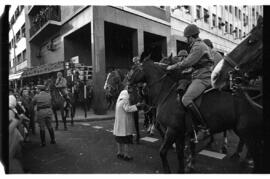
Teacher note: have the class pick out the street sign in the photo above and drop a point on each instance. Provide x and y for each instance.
(75, 59)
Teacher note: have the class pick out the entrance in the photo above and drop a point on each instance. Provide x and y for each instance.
(78, 45)
(156, 42)
(118, 46)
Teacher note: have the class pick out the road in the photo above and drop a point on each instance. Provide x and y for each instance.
(89, 147)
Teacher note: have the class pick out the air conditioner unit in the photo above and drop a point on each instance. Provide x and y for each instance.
(51, 47)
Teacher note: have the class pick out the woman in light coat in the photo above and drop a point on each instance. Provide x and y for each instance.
(124, 124)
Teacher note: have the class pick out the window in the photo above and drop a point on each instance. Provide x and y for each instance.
(239, 14)
(226, 8)
(230, 9)
(23, 30)
(226, 27)
(244, 34)
(253, 26)
(214, 19)
(240, 33)
(236, 32)
(187, 9)
(235, 11)
(231, 28)
(257, 15)
(219, 22)
(246, 20)
(205, 15)
(198, 12)
(253, 12)
(18, 36)
(24, 55)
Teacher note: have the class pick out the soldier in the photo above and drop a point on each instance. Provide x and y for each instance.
(200, 59)
(61, 85)
(216, 56)
(42, 102)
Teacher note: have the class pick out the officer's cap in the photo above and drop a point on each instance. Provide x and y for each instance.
(41, 87)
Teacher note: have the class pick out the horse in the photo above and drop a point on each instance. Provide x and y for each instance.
(227, 112)
(58, 103)
(114, 84)
(171, 60)
(79, 94)
(247, 64)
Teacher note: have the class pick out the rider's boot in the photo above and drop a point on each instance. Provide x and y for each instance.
(51, 132)
(199, 121)
(42, 138)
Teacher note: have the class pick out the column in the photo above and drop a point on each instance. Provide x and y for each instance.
(137, 42)
(98, 59)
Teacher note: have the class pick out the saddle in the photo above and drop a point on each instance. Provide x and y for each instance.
(182, 87)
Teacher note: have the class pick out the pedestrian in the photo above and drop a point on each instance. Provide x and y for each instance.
(124, 123)
(216, 56)
(43, 103)
(200, 59)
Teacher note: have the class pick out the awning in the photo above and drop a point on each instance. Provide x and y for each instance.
(43, 69)
(15, 76)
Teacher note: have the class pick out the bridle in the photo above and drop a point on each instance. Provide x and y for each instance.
(237, 79)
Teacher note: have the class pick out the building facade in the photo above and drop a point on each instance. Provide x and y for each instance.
(18, 59)
(107, 37)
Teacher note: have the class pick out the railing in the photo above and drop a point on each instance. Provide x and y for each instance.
(43, 16)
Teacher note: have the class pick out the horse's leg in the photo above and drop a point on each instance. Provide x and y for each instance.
(158, 127)
(166, 145)
(224, 148)
(180, 142)
(240, 146)
(56, 119)
(64, 118)
(136, 120)
(72, 111)
(255, 148)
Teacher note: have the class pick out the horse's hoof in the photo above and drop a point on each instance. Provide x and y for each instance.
(224, 150)
(235, 156)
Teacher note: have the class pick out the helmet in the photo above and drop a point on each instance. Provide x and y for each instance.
(136, 59)
(208, 43)
(59, 74)
(191, 30)
(182, 53)
(41, 87)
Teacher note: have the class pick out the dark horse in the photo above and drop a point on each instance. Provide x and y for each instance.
(227, 112)
(114, 84)
(79, 94)
(58, 103)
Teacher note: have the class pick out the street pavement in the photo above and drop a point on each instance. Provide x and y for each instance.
(89, 147)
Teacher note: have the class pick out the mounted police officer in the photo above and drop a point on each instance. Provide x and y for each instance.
(61, 85)
(43, 104)
(216, 56)
(200, 59)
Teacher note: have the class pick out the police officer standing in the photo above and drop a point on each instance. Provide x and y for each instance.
(200, 59)
(42, 102)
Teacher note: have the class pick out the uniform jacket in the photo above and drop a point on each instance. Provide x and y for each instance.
(124, 123)
(43, 100)
(61, 83)
(199, 54)
(216, 56)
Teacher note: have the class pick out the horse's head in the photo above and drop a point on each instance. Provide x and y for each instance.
(243, 58)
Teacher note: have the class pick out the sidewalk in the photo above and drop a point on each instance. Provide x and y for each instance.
(91, 116)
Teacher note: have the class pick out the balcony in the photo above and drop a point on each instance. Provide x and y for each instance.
(46, 22)
(153, 11)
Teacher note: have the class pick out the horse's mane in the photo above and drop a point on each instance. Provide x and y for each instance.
(175, 75)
